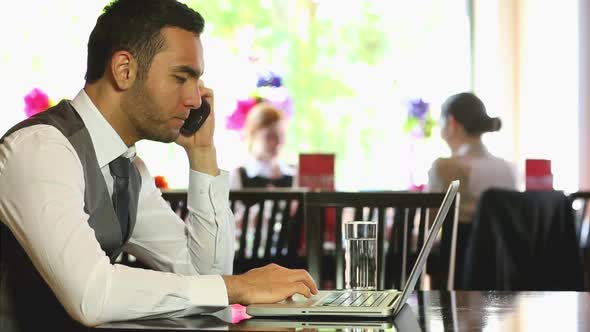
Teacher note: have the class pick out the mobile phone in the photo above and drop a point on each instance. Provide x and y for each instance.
(196, 118)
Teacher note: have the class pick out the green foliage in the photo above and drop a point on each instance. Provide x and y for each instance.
(311, 42)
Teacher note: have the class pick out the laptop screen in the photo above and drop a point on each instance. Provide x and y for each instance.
(421, 261)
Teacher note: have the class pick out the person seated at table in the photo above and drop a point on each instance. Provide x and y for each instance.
(264, 133)
(74, 193)
(464, 120)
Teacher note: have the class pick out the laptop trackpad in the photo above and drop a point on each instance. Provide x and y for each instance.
(300, 300)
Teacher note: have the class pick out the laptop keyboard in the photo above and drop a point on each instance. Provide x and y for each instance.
(354, 299)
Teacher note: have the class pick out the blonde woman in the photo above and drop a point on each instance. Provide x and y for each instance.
(264, 133)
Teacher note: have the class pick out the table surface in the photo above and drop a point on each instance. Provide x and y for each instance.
(425, 311)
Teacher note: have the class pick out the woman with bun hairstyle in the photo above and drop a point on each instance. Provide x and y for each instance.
(463, 122)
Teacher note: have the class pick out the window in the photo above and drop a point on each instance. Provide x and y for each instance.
(350, 69)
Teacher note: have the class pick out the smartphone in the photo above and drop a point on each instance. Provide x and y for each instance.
(196, 118)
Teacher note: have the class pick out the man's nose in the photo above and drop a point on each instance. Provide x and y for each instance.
(194, 99)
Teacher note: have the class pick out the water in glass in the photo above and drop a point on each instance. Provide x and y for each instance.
(360, 257)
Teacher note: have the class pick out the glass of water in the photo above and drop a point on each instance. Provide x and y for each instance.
(360, 257)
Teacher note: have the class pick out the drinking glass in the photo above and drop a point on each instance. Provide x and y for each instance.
(360, 240)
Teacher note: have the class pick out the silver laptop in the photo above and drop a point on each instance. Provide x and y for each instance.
(349, 303)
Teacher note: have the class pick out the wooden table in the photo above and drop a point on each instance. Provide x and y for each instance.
(426, 311)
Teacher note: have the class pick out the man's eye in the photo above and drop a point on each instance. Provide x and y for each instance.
(180, 79)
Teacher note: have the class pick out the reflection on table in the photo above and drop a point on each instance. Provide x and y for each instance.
(426, 311)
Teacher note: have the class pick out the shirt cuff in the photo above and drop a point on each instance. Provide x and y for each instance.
(208, 194)
(208, 291)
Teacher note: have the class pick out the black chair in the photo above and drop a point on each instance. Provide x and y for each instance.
(397, 214)
(580, 201)
(269, 227)
(523, 241)
(580, 204)
(177, 201)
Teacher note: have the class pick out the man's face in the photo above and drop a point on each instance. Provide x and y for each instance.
(158, 105)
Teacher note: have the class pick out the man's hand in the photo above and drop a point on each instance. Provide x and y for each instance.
(199, 147)
(268, 284)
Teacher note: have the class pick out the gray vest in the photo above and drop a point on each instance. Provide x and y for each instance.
(26, 301)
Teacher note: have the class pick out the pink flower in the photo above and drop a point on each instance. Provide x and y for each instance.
(237, 119)
(417, 187)
(36, 102)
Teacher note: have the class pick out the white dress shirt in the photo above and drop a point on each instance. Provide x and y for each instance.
(42, 202)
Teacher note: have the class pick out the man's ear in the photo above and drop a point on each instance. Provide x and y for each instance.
(123, 69)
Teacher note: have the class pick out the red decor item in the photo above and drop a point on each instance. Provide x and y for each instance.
(161, 182)
(538, 174)
(316, 171)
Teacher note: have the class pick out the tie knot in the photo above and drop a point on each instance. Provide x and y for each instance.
(120, 167)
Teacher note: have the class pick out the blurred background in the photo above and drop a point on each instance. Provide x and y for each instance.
(352, 69)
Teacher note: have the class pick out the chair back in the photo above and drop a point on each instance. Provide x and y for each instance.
(177, 199)
(269, 227)
(403, 221)
(523, 241)
(580, 201)
(580, 204)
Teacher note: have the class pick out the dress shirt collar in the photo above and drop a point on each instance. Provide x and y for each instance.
(108, 145)
(255, 167)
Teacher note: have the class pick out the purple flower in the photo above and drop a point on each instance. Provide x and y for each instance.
(269, 88)
(419, 122)
(418, 108)
(269, 78)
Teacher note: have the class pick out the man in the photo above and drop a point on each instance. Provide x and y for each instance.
(73, 194)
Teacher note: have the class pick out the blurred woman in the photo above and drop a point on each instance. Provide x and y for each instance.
(463, 122)
(264, 133)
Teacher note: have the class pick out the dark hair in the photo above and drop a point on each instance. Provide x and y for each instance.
(471, 113)
(134, 26)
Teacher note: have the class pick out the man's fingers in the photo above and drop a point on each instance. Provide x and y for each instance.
(304, 290)
(273, 283)
(303, 276)
(301, 288)
(206, 92)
